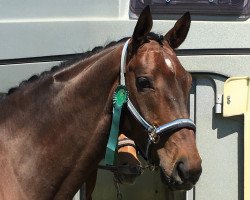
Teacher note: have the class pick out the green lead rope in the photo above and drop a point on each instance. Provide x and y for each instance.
(120, 97)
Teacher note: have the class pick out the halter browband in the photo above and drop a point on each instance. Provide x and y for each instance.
(154, 133)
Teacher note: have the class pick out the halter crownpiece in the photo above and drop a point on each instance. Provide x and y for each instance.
(154, 133)
(123, 63)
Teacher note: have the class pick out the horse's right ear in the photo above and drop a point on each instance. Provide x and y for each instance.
(142, 28)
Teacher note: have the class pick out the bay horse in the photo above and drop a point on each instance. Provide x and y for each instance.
(54, 127)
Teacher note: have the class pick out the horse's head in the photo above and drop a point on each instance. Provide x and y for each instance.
(159, 90)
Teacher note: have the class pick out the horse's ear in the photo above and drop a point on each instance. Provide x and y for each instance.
(179, 32)
(142, 28)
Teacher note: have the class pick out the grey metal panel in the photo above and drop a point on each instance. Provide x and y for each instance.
(42, 33)
(220, 144)
(30, 9)
(232, 65)
(12, 75)
(32, 39)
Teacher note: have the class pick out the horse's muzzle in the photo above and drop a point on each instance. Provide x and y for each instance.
(182, 178)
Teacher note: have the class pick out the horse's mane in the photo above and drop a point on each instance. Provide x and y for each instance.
(77, 58)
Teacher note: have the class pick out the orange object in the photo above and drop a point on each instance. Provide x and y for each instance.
(126, 145)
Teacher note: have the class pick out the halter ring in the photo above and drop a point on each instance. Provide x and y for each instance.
(153, 136)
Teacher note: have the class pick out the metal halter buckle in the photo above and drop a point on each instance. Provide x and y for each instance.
(153, 136)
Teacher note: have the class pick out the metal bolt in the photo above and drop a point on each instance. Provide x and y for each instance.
(228, 99)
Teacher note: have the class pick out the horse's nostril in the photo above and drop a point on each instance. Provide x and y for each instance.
(187, 174)
(182, 171)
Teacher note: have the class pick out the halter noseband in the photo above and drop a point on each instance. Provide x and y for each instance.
(154, 133)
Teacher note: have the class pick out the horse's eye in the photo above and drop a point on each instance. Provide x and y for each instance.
(143, 83)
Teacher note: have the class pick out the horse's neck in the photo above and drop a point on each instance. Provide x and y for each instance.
(77, 67)
(58, 138)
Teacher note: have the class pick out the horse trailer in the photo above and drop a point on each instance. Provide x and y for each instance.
(36, 35)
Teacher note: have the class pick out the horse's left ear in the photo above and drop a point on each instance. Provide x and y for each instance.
(142, 28)
(179, 32)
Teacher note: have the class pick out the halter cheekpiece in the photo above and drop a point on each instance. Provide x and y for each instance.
(154, 133)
